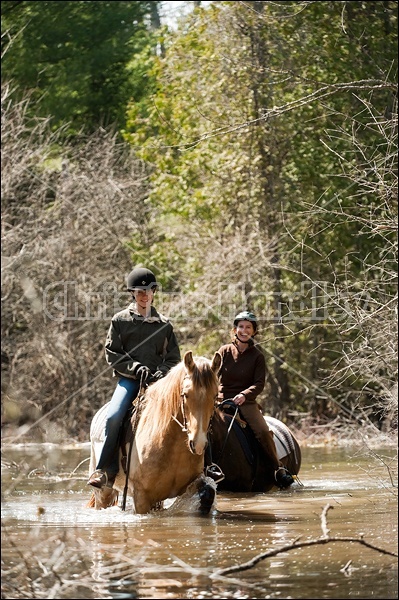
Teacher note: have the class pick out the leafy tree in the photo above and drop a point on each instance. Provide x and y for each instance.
(75, 57)
(265, 116)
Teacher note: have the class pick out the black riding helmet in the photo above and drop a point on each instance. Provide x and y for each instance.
(246, 316)
(141, 278)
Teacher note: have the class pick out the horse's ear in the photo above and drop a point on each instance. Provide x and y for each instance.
(189, 361)
(216, 362)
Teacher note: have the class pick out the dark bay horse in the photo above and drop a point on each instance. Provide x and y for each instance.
(233, 447)
(169, 444)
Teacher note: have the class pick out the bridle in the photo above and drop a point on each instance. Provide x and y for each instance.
(183, 426)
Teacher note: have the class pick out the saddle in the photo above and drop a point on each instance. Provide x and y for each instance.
(229, 408)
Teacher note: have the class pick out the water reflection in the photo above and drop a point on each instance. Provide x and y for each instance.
(55, 547)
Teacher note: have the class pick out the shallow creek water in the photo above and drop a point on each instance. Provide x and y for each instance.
(55, 547)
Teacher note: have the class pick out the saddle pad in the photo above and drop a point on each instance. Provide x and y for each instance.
(281, 448)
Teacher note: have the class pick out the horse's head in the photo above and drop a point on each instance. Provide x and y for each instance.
(199, 392)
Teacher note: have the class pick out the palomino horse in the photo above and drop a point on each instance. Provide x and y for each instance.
(234, 449)
(170, 440)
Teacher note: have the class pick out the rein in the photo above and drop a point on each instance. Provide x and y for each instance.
(229, 429)
(233, 417)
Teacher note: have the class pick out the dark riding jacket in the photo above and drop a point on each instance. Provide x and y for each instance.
(133, 341)
(241, 372)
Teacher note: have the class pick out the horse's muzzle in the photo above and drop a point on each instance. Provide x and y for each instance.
(197, 442)
(197, 449)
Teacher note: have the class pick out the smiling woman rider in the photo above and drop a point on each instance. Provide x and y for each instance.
(241, 379)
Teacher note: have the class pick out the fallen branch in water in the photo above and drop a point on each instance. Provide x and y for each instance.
(326, 539)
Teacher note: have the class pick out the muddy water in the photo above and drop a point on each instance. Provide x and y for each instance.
(55, 547)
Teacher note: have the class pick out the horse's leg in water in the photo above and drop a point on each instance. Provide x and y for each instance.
(142, 503)
(206, 493)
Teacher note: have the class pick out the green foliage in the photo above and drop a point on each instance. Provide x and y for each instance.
(269, 126)
(268, 134)
(75, 57)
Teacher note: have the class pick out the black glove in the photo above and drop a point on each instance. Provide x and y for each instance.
(158, 375)
(142, 374)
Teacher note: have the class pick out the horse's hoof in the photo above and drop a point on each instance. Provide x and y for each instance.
(207, 497)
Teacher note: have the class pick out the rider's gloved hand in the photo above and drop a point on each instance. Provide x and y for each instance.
(158, 375)
(143, 373)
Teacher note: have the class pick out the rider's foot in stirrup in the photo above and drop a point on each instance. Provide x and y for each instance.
(283, 478)
(99, 479)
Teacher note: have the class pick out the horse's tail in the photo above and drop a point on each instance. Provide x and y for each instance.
(92, 502)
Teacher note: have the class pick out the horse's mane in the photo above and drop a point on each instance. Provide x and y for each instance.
(163, 398)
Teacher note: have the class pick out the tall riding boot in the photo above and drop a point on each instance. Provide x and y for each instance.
(252, 414)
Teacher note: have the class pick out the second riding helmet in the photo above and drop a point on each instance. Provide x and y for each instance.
(141, 278)
(246, 316)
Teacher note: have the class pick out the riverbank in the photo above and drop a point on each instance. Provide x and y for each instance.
(344, 434)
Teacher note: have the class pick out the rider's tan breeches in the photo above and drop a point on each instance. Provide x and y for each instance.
(253, 416)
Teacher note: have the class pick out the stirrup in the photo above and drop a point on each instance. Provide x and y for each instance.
(214, 472)
(99, 481)
(285, 479)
